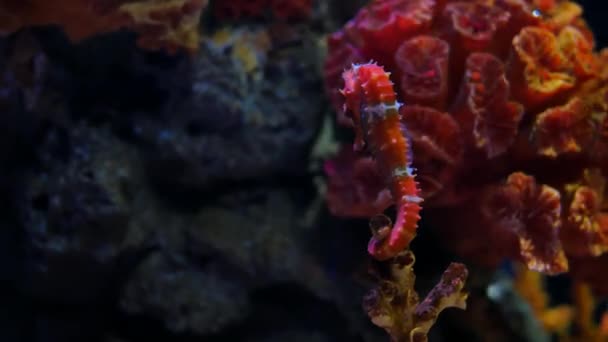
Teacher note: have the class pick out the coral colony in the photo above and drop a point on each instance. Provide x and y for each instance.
(505, 120)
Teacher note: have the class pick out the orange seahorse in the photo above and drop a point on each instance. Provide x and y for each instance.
(370, 101)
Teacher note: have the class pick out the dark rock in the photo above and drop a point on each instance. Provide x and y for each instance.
(237, 125)
(74, 224)
(186, 299)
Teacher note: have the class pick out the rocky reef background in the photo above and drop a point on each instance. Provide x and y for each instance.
(147, 195)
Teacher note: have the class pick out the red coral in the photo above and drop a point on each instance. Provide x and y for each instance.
(475, 23)
(533, 212)
(586, 227)
(539, 67)
(579, 52)
(545, 5)
(561, 14)
(423, 65)
(563, 129)
(354, 187)
(496, 119)
(585, 231)
(436, 144)
(384, 24)
(506, 107)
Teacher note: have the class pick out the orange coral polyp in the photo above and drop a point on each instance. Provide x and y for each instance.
(585, 231)
(579, 52)
(545, 67)
(564, 129)
(562, 14)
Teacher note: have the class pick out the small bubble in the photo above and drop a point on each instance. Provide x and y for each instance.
(495, 292)
(537, 13)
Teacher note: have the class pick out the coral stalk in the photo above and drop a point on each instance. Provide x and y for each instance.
(395, 305)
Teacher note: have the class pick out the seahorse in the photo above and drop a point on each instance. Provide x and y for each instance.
(371, 103)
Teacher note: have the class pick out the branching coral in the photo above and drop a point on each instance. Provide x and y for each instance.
(531, 287)
(507, 113)
(585, 325)
(169, 24)
(395, 306)
(570, 322)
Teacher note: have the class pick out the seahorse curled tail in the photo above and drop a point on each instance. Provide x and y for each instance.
(373, 106)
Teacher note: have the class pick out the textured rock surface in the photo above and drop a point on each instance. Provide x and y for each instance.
(177, 195)
(237, 124)
(74, 224)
